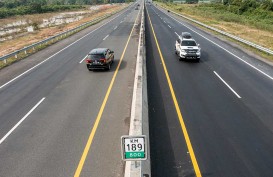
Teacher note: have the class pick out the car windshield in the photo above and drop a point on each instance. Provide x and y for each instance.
(96, 56)
(188, 43)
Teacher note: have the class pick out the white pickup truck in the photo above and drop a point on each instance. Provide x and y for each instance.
(187, 48)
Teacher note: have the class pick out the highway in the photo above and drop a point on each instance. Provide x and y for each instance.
(59, 119)
(212, 118)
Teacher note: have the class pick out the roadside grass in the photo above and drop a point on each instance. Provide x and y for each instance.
(30, 38)
(259, 32)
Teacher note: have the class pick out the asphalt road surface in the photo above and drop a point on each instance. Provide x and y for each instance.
(225, 102)
(212, 118)
(59, 119)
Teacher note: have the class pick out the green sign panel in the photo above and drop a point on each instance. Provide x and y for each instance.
(132, 155)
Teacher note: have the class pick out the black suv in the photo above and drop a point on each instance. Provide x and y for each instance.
(100, 58)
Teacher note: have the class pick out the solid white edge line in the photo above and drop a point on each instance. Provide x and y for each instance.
(83, 59)
(15, 126)
(57, 52)
(169, 26)
(227, 84)
(221, 47)
(105, 37)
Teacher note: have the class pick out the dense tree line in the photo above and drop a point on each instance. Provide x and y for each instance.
(16, 3)
(21, 7)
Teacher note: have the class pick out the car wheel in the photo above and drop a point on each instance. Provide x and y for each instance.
(198, 60)
(180, 59)
(109, 66)
(89, 69)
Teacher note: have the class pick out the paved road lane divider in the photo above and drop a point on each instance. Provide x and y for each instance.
(139, 124)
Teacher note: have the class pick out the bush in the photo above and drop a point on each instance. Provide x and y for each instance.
(36, 8)
(249, 12)
(267, 5)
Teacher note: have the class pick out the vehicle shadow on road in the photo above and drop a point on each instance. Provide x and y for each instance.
(204, 58)
(114, 66)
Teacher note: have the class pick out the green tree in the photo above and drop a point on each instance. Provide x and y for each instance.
(36, 8)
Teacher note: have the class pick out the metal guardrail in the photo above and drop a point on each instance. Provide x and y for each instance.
(256, 46)
(56, 37)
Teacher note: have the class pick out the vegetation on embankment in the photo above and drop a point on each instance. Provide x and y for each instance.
(10, 8)
(248, 12)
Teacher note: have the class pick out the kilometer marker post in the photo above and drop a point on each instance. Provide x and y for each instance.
(134, 148)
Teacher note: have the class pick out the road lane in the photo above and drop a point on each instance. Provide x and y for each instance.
(101, 111)
(49, 73)
(177, 108)
(51, 139)
(231, 136)
(243, 70)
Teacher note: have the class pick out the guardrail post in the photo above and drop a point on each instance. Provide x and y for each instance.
(16, 56)
(25, 51)
(5, 61)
